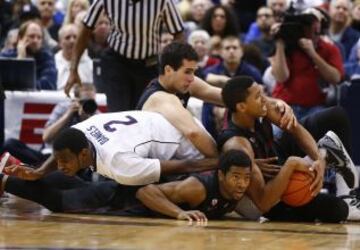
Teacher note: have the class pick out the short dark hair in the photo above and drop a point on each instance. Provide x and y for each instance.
(72, 139)
(174, 54)
(236, 90)
(234, 157)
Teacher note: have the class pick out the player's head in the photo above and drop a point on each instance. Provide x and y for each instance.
(234, 174)
(178, 62)
(242, 94)
(71, 151)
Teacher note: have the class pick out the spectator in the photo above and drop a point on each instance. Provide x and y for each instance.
(340, 30)
(220, 21)
(67, 37)
(200, 41)
(47, 9)
(231, 65)
(355, 15)
(6, 19)
(165, 38)
(11, 40)
(198, 9)
(300, 71)
(64, 115)
(30, 44)
(131, 61)
(74, 7)
(265, 20)
(278, 7)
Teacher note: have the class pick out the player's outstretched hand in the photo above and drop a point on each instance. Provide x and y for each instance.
(192, 215)
(23, 172)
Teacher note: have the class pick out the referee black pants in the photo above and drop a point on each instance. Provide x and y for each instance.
(125, 79)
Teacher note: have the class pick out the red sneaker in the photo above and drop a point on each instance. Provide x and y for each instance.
(7, 160)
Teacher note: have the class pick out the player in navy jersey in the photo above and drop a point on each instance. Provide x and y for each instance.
(250, 130)
(202, 197)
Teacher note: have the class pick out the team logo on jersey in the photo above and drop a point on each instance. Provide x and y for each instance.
(214, 202)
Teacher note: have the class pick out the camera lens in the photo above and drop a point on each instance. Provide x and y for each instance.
(89, 106)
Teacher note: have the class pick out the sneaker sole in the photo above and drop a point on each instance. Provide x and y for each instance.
(4, 161)
(353, 169)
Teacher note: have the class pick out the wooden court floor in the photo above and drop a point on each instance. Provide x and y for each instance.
(25, 225)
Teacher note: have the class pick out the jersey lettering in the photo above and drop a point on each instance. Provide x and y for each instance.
(107, 126)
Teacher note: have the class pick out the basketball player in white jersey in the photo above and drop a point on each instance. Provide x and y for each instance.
(132, 148)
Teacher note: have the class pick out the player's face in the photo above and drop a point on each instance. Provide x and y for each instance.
(236, 181)
(67, 162)
(184, 76)
(255, 104)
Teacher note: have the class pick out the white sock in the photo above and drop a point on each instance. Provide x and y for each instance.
(341, 187)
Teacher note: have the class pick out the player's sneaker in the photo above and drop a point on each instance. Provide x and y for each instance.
(7, 160)
(338, 158)
(354, 207)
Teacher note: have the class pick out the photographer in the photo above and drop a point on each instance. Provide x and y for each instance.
(68, 113)
(64, 115)
(304, 62)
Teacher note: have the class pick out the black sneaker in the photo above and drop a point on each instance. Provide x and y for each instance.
(338, 158)
(354, 207)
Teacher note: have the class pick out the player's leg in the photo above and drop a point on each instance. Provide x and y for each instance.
(324, 207)
(85, 197)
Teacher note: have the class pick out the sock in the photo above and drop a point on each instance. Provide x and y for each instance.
(341, 187)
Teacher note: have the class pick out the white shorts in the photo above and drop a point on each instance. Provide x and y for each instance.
(131, 169)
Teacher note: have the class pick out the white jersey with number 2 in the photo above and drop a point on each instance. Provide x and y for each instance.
(129, 145)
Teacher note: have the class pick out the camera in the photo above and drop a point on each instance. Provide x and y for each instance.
(294, 27)
(89, 106)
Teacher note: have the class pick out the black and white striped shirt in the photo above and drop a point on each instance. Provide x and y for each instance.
(136, 25)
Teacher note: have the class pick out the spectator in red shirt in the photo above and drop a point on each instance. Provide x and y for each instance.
(301, 72)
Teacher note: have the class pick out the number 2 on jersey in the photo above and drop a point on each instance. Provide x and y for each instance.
(107, 126)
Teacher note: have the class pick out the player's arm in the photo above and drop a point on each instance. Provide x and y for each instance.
(217, 80)
(266, 195)
(187, 166)
(171, 108)
(52, 130)
(164, 198)
(303, 138)
(307, 143)
(28, 173)
(280, 113)
(204, 91)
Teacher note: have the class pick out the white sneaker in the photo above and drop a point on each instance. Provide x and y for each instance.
(354, 207)
(338, 158)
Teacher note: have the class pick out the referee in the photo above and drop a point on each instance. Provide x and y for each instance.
(131, 60)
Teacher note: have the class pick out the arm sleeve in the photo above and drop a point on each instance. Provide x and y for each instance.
(172, 18)
(93, 13)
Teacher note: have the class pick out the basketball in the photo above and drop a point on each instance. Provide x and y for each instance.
(298, 191)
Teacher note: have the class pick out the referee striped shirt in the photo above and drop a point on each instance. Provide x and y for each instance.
(136, 25)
